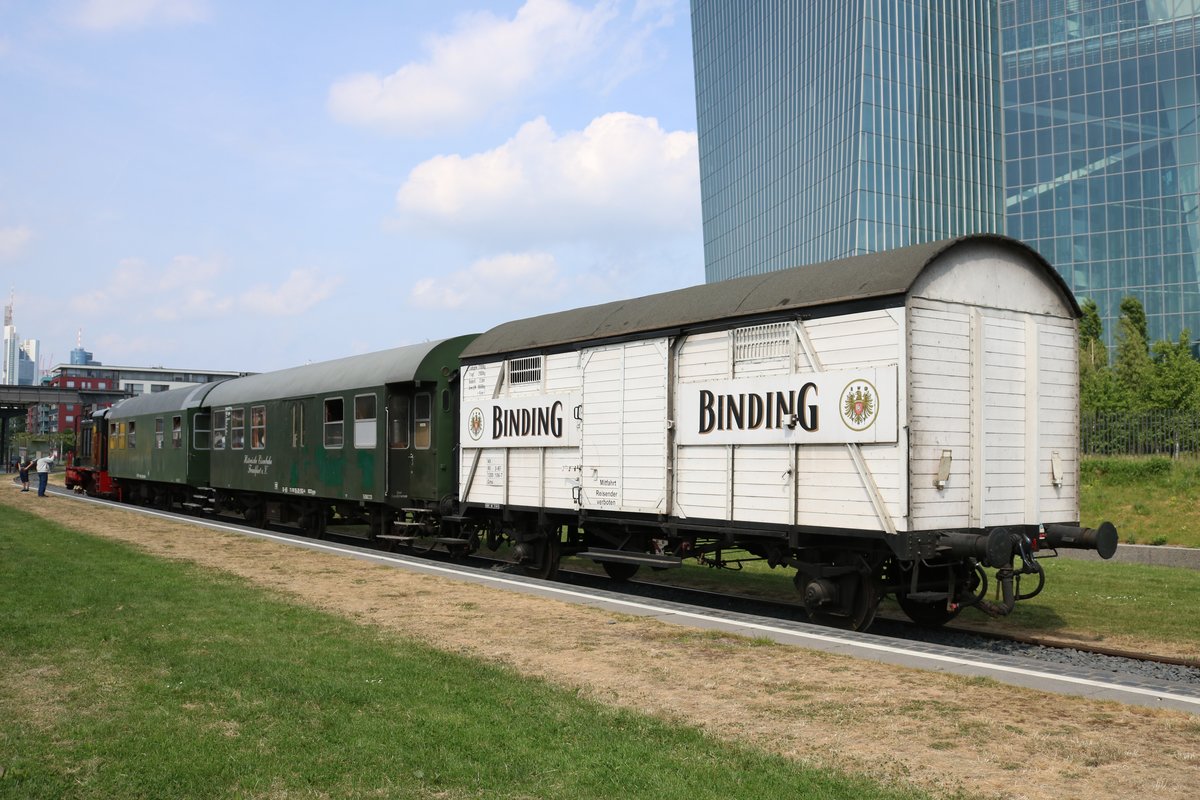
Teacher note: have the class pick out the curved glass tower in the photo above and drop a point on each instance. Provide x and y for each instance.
(830, 129)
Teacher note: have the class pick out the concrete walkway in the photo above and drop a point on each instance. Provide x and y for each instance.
(1185, 557)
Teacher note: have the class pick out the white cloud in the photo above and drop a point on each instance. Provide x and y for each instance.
(511, 281)
(303, 289)
(190, 288)
(110, 15)
(623, 177)
(13, 241)
(485, 63)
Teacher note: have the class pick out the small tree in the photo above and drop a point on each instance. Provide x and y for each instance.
(1176, 376)
(1133, 365)
(1092, 352)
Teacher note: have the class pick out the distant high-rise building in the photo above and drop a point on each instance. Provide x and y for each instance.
(81, 357)
(831, 129)
(18, 360)
(1102, 147)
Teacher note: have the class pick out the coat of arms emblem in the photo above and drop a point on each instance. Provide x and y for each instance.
(859, 404)
(475, 424)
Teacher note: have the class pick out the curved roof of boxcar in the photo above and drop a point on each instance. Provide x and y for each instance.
(846, 281)
(398, 365)
(171, 400)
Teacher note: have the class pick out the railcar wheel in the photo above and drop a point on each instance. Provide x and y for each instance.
(618, 571)
(927, 614)
(862, 607)
(546, 566)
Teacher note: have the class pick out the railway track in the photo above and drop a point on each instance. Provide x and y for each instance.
(1119, 666)
(1040, 648)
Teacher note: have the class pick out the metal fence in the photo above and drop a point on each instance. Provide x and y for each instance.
(1169, 433)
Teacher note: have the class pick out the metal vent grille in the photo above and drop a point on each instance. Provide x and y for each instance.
(525, 370)
(761, 342)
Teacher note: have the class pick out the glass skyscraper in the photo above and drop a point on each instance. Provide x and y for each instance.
(1102, 149)
(831, 129)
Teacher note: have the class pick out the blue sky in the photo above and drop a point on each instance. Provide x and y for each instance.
(228, 184)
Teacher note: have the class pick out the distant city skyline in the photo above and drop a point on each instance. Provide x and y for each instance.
(18, 357)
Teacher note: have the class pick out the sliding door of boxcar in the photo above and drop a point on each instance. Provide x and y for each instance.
(624, 451)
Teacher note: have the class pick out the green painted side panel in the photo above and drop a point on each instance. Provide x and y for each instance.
(145, 460)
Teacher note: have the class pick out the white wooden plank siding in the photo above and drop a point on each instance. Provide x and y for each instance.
(939, 413)
(1058, 418)
(1002, 403)
(1003, 434)
(794, 484)
(534, 477)
(623, 458)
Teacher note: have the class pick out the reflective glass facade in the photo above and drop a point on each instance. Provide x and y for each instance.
(830, 129)
(1102, 149)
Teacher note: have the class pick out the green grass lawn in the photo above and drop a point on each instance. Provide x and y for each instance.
(1150, 500)
(125, 676)
(1114, 600)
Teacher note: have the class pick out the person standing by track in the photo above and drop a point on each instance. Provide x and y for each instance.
(23, 468)
(43, 470)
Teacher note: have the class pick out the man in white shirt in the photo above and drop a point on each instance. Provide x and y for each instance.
(43, 470)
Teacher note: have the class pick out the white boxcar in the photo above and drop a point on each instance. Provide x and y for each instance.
(858, 416)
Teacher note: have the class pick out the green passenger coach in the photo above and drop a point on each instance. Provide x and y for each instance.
(370, 438)
(158, 446)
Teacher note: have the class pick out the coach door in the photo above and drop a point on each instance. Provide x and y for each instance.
(412, 467)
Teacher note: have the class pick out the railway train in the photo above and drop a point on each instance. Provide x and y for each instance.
(897, 423)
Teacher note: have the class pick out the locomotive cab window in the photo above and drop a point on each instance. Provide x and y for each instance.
(237, 428)
(158, 433)
(365, 418)
(218, 429)
(177, 432)
(258, 427)
(334, 416)
(400, 422)
(200, 431)
(423, 417)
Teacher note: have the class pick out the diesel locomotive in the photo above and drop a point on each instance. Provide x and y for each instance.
(898, 423)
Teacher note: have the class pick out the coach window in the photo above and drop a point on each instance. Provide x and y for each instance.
(258, 427)
(132, 434)
(177, 432)
(423, 432)
(158, 433)
(218, 428)
(365, 420)
(112, 436)
(401, 422)
(120, 435)
(200, 431)
(237, 428)
(334, 414)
